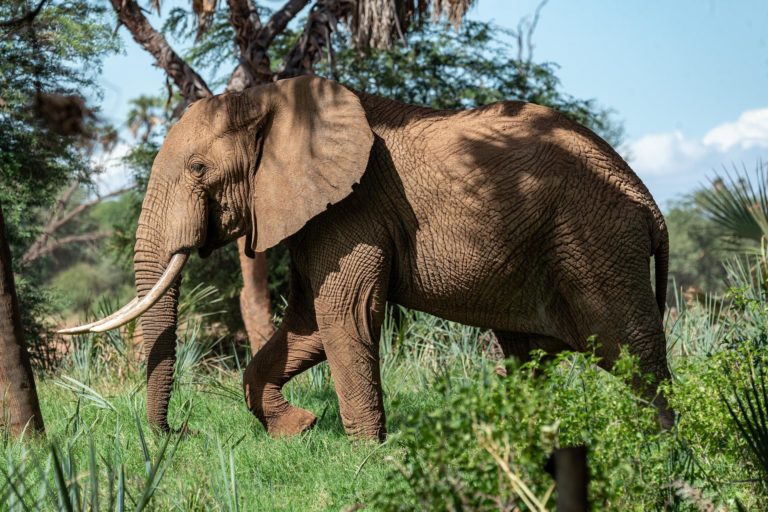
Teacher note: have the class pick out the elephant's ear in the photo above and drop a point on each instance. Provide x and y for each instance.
(316, 144)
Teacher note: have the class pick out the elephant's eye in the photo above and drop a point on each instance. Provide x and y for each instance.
(197, 167)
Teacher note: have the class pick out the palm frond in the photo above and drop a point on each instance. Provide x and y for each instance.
(737, 202)
(379, 23)
(750, 412)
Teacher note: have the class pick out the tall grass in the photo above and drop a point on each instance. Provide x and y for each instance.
(101, 454)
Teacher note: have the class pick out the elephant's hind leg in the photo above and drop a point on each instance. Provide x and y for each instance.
(622, 310)
(520, 345)
(293, 349)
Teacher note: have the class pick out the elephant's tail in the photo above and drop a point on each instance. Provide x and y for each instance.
(661, 257)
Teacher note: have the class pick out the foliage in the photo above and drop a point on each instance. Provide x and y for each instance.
(59, 52)
(439, 67)
(738, 204)
(471, 66)
(750, 411)
(447, 413)
(449, 463)
(695, 252)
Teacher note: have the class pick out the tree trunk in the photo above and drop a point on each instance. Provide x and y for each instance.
(255, 307)
(18, 395)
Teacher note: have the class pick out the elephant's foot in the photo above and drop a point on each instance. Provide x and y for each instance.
(378, 434)
(290, 423)
(365, 425)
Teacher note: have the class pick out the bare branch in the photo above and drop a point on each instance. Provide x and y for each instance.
(64, 199)
(82, 207)
(524, 34)
(321, 22)
(67, 240)
(191, 84)
(40, 246)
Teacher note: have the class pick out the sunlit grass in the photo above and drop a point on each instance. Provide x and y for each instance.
(434, 372)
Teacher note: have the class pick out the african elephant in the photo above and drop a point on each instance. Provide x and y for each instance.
(510, 217)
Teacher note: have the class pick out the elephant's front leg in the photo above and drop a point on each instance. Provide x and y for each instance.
(350, 325)
(354, 361)
(293, 349)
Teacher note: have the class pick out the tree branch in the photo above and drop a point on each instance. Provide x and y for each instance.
(28, 18)
(254, 65)
(40, 246)
(321, 22)
(87, 206)
(254, 41)
(280, 20)
(191, 84)
(67, 240)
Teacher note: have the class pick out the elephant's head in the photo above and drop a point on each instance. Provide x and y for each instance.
(260, 163)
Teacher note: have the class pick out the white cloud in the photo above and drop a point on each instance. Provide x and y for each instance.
(750, 130)
(671, 163)
(657, 153)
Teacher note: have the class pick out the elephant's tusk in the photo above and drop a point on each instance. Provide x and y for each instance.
(162, 285)
(137, 306)
(87, 327)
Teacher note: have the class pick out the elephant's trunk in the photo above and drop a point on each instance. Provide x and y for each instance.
(157, 287)
(158, 325)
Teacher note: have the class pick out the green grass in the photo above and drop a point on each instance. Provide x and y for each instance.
(97, 402)
(448, 416)
(321, 470)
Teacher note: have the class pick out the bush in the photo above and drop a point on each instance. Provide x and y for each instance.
(484, 447)
(467, 453)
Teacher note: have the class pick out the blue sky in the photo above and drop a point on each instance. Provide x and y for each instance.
(689, 78)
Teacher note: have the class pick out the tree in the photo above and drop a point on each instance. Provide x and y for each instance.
(45, 125)
(738, 204)
(20, 406)
(372, 23)
(145, 115)
(471, 66)
(695, 250)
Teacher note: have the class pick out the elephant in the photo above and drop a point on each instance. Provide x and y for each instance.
(510, 217)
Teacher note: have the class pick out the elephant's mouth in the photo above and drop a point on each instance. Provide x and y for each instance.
(218, 236)
(213, 241)
(209, 246)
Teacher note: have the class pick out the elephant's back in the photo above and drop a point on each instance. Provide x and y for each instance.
(500, 196)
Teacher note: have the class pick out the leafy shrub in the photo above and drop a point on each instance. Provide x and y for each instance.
(483, 446)
(456, 453)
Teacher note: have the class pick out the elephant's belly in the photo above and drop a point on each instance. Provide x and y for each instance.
(486, 288)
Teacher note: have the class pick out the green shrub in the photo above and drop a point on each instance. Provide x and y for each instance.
(456, 454)
(484, 446)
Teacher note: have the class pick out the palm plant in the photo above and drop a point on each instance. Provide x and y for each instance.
(737, 202)
(748, 407)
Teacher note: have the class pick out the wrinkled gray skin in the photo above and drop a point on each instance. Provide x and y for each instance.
(509, 217)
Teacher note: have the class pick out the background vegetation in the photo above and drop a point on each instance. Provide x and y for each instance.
(462, 438)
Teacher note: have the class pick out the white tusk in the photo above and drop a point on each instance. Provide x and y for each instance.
(80, 329)
(162, 285)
